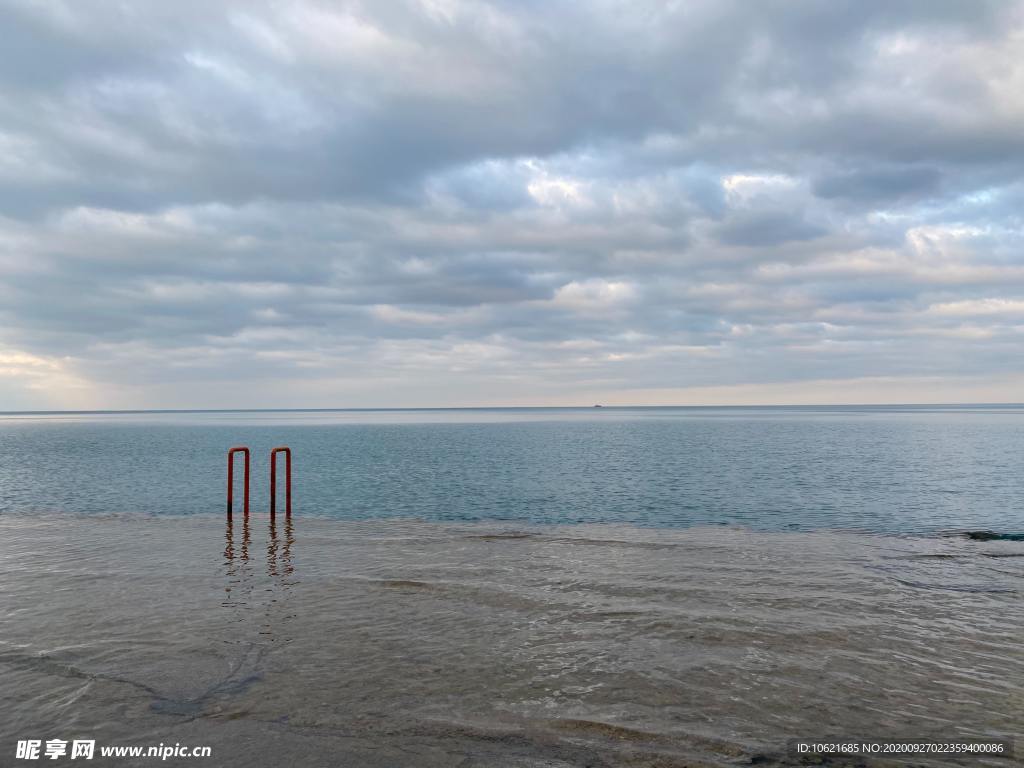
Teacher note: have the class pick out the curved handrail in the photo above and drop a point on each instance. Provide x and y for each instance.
(287, 479)
(231, 476)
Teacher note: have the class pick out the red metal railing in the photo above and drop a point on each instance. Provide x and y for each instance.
(287, 480)
(231, 477)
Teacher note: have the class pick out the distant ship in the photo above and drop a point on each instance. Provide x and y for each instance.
(599, 406)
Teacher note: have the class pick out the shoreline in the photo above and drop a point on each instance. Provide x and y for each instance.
(528, 527)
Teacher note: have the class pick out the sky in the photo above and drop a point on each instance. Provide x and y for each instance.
(444, 203)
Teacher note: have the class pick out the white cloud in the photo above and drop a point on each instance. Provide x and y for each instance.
(976, 307)
(37, 382)
(595, 295)
(743, 188)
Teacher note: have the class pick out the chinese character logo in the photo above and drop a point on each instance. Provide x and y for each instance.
(28, 750)
(82, 748)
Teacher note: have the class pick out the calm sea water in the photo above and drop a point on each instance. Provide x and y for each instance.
(566, 625)
(886, 470)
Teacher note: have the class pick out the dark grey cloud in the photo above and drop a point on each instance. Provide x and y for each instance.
(881, 186)
(761, 228)
(447, 202)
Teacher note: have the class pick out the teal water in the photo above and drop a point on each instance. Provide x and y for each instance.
(876, 469)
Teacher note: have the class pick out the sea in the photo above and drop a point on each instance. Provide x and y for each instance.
(896, 469)
(516, 588)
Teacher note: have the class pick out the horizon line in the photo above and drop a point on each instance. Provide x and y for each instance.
(509, 408)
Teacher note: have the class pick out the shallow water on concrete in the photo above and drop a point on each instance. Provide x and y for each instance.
(322, 642)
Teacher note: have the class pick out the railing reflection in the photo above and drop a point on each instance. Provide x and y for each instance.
(243, 580)
(237, 565)
(276, 547)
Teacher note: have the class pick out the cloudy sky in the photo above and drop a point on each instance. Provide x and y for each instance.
(256, 204)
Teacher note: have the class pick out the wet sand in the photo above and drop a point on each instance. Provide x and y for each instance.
(326, 643)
